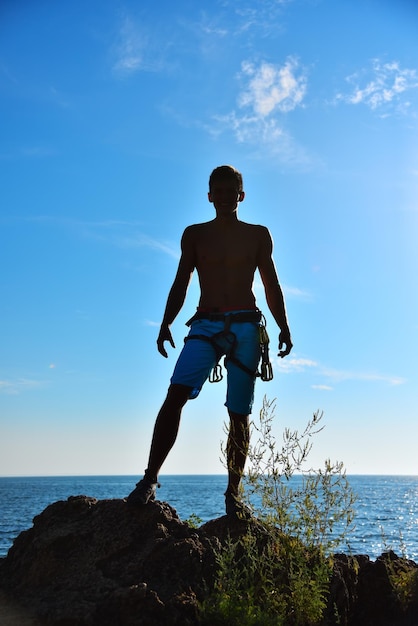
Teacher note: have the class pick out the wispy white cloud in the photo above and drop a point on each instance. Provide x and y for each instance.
(211, 25)
(134, 49)
(272, 88)
(381, 86)
(268, 93)
(295, 365)
(129, 49)
(322, 387)
(139, 240)
(19, 385)
(152, 323)
(58, 98)
(118, 233)
(343, 375)
(29, 152)
(125, 234)
(262, 17)
(8, 74)
(38, 151)
(289, 291)
(295, 292)
(291, 365)
(239, 19)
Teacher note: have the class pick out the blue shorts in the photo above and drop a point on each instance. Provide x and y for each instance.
(198, 357)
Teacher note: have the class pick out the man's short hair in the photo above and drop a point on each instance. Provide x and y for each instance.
(226, 171)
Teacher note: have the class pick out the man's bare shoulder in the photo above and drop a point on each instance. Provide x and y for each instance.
(196, 228)
(203, 226)
(255, 227)
(257, 231)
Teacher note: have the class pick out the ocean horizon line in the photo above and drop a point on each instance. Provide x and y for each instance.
(82, 475)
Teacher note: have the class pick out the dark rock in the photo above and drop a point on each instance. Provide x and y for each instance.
(374, 593)
(87, 561)
(103, 563)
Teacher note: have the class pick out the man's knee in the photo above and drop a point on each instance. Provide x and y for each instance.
(239, 418)
(178, 394)
(239, 424)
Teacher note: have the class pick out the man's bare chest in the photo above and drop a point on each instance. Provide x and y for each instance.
(226, 251)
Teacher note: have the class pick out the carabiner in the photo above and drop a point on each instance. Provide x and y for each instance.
(266, 371)
(216, 375)
(262, 335)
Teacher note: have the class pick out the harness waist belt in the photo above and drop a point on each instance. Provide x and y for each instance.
(243, 316)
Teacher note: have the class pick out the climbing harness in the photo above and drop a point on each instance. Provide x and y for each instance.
(226, 336)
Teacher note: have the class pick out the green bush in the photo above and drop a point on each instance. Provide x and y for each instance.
(278, 572)
(317, 507)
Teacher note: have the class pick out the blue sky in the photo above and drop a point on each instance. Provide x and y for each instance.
(113, 115)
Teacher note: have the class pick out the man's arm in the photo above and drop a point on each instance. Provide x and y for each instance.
(274, 293)
(178, 291)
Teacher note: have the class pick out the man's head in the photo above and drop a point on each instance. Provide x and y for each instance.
(225, 189)
(226, 172)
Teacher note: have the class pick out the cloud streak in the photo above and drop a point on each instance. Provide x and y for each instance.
(29, 152)
(118, 233)
(129, 49)
(140, 240)
(296, 365)
(296, 293)
(20, 385)
(134, 51)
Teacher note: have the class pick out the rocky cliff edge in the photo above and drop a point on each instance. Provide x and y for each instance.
(88, 562)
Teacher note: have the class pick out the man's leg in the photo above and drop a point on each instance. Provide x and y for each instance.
(237, 452)
(237, 449)
(239, 399)
(166, 427)
(165, 434)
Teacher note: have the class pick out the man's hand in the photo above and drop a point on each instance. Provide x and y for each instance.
(285, 340)
(164, 335)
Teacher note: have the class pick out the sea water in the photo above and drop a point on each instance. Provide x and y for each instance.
(386, 509)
